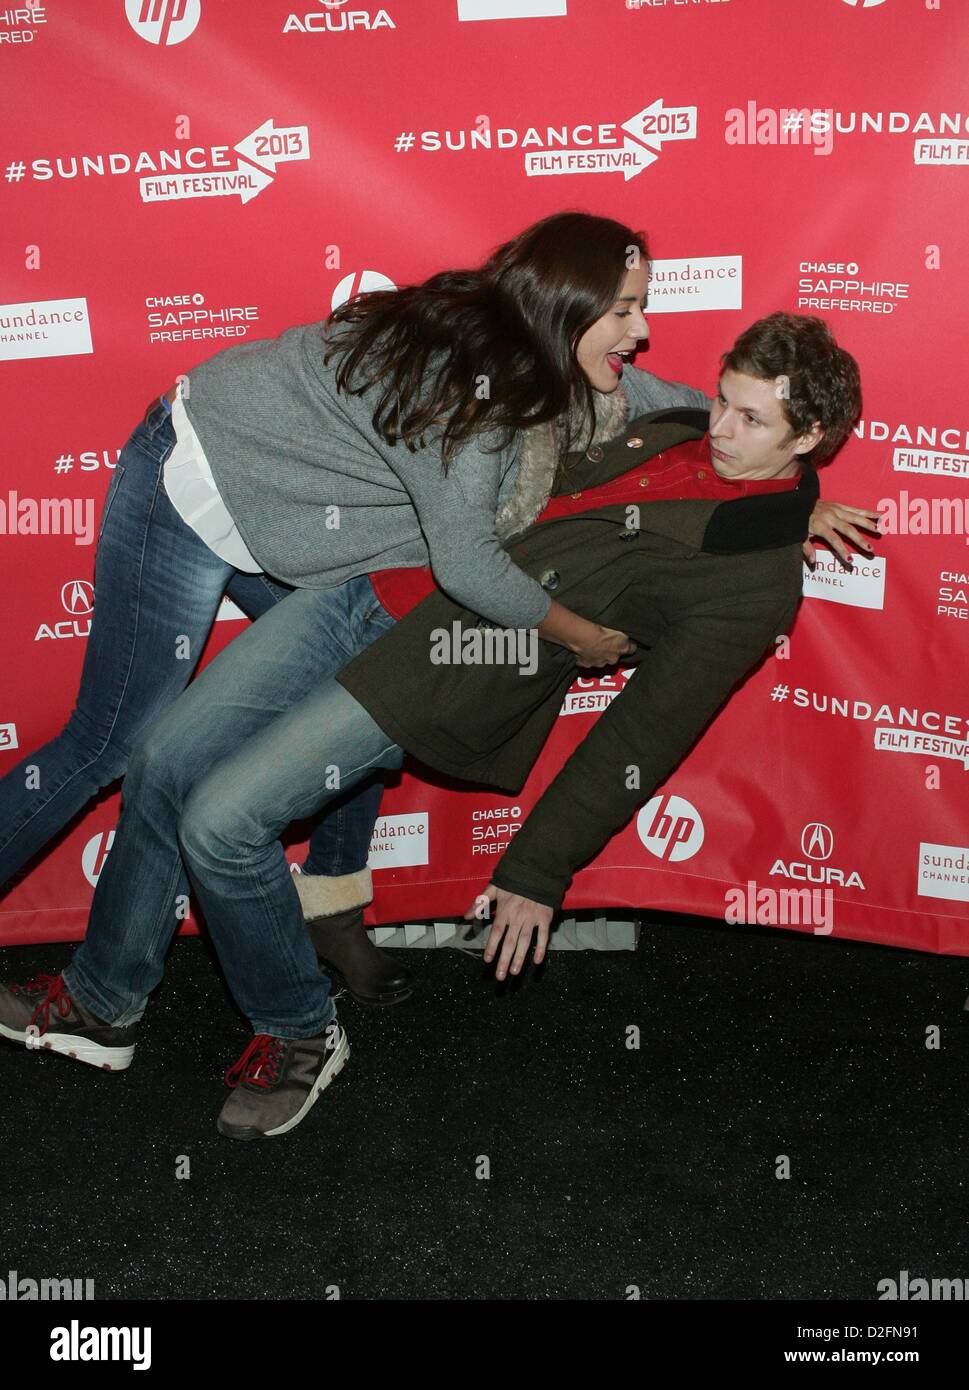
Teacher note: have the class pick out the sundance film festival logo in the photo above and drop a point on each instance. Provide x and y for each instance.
(606, 147)
(818, 126)
(898, 728)
(263, 149)
(189, 171)
(591, 694)
(163, 21)
(923, 448)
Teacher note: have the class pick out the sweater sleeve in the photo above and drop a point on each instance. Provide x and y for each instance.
(650, 726)
(646, 392)
(456, 512)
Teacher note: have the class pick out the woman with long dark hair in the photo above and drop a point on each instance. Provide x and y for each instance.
(387, 436)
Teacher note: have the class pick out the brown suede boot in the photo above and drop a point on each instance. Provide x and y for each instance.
(333, 910)
(370, 974)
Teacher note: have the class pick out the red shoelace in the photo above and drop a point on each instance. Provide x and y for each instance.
(55, 994)
(259, 1064)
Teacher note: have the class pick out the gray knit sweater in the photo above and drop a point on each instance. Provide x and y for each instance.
(284, 446)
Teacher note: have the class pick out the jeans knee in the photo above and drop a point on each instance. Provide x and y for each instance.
(154, 767)
(208, 832)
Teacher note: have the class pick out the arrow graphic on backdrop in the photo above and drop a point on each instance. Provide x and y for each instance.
(266, 146)
(271, 145)
(650, 129)
(244, 182)
(656, 123)
(631, 159)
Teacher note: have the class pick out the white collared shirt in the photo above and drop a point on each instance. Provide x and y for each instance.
(192, 492)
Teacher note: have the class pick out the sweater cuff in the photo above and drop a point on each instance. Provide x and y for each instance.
(548, 894)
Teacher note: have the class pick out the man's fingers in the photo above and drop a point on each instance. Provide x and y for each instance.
(494, 937)
(521, 951)
(541, 944)
(507, 951)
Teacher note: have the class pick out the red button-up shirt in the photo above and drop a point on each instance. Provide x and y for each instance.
(686, 471)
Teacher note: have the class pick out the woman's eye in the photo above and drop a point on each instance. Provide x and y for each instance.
(624, 314)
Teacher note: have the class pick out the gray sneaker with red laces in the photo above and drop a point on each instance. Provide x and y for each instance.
(42, 1014)
(277, 1080)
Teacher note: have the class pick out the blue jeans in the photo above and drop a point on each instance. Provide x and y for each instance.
(263, 737)
(158, 589)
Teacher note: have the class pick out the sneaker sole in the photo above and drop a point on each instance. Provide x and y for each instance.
(80, 1049)
(333, 1068)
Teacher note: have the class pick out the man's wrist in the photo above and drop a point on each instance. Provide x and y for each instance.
(545, 894)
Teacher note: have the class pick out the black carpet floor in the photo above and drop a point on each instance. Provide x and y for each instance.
(610, 1167)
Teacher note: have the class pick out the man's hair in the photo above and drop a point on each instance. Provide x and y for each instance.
(822, 380)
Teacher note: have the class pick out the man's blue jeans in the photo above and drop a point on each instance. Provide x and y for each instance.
(263, 737)
(158, 588)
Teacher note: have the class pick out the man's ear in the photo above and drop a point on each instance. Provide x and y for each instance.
(810, 438)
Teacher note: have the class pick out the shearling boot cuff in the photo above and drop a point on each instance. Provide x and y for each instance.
(323, 896)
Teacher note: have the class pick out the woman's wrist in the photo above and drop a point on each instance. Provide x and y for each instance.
(565, 628)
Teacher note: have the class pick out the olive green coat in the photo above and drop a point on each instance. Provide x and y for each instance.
(687, 583)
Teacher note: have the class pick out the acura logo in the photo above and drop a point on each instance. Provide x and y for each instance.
(77, 597)
(817, 841)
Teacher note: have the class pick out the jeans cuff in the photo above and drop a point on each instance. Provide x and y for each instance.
(289, 1030)
(94, 1002)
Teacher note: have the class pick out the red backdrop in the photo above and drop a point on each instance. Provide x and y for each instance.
(182, 176)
